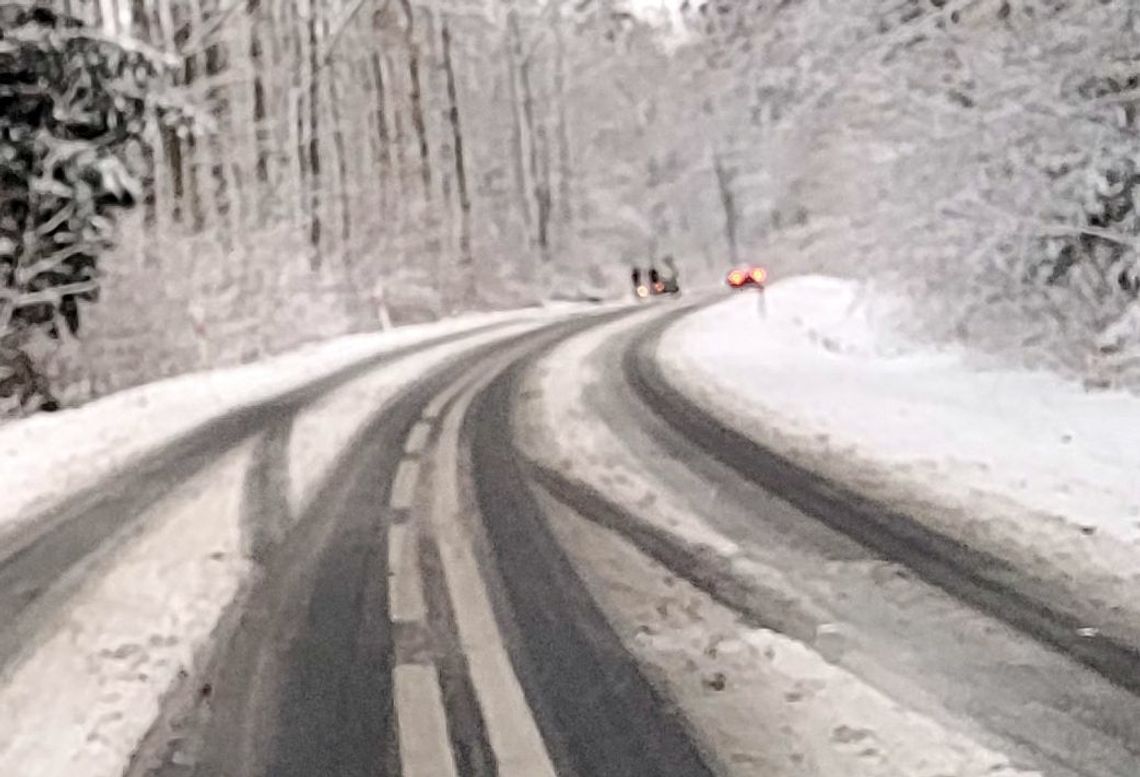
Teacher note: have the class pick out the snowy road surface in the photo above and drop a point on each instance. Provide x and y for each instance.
(522, 551)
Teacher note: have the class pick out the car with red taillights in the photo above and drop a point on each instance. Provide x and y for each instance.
(752, 276)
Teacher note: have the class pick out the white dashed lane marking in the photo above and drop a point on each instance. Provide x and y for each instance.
(425, 748)
(405, 590)
(404, 485)
(418, 438)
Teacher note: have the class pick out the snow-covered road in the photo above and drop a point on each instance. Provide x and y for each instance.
(128, 527)
(530, 536)
(733, 581)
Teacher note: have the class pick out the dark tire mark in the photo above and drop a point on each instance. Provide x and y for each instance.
(596, 710)
(303, 687)
(704, 568)
(265, 513)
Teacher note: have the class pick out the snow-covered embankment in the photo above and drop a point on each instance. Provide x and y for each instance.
(1026, 465)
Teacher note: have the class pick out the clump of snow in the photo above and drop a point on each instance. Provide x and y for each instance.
(46, 457)
(1019, 459)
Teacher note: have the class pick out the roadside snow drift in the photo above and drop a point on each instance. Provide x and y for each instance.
(47, 457)
(1023, 462)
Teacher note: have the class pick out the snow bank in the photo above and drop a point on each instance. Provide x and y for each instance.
(82, 701)
(46, 457)
(1018, 459)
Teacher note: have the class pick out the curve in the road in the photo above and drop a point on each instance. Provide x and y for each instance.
(42, 566)
(590, 696)
(364, 650)
(977, 578)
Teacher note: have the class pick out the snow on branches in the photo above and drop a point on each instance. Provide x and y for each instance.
(984, 155)
(72, 102)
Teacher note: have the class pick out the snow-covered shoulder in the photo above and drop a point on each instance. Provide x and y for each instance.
(46, 457)
(1009, 456)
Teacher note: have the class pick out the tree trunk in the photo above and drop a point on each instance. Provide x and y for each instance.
(341, 152)
(168, 140)
(399, 174)
(416, 96)
(297, 100)
(260, 116)
(143, 30)
(314, 106)
(466, 260)
(382, 139)
(224, 190)
(565, 187)
(728, 202)
(518, 140)
(541, 191)
(188, 154)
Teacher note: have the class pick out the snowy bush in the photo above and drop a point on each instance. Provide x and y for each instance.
(72, 102)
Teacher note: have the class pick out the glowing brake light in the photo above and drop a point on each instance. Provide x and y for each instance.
(735, 278)
(759, 274)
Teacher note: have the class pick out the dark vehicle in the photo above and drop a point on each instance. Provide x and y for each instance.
(640, 290)
(655, 283)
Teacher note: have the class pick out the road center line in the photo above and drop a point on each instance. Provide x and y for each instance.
(435, 407)
(511, 727)
(404, 485)
(418, 438)
(425, 748)
(405, 592)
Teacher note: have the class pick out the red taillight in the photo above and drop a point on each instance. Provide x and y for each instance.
(759, 274)
(735, 278)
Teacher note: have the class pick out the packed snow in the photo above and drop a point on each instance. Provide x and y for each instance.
(47, 457)
(1025, 462)
(763, 703)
